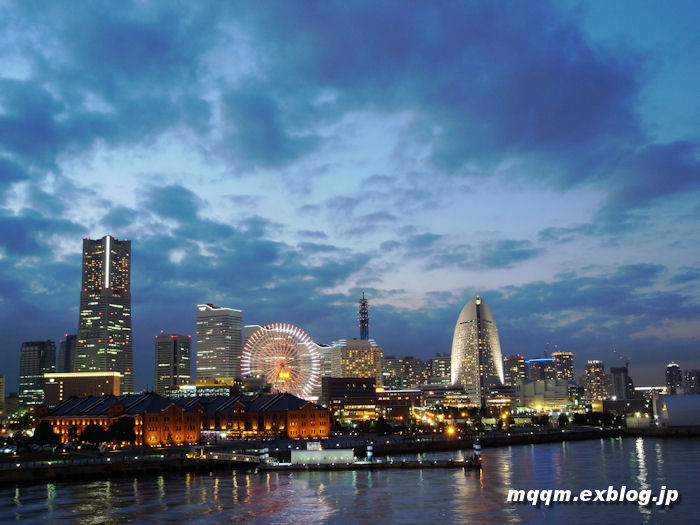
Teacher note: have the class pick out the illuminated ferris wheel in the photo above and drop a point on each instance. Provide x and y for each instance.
(284, 356)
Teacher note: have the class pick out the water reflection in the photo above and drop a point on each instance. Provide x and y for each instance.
(388, 496)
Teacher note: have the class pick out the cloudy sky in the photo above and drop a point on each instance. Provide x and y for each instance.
(281, 157)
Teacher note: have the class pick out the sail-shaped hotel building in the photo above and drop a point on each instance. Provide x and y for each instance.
(476, 351)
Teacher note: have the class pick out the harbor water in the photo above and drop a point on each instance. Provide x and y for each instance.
(389, 496)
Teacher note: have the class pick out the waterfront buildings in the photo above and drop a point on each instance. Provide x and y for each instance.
(544, 394)
(264, 416)
(476, 351)
(674, 378)
(60, 386)
(36, 359)
(157, 420)
(595, 381)
(104, 342)
(66, 353)
(162, 421)
(172, 365)
(351, 399)
(219, 341)
(514, 369)
(357, 358)
(564, 365)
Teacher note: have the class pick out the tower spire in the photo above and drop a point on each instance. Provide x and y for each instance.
(363, 317)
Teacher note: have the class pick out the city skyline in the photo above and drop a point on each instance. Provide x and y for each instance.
(267, 158)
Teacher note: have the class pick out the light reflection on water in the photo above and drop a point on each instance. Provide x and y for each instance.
(389, 496)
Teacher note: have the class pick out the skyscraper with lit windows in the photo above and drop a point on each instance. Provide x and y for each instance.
(172, 362)
(219, 341)
(477, 363)
(104, 341)
(596, 388)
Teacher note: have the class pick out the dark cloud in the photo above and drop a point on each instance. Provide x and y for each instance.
(173, 202)
(29, 234)
(505, 253)
(256, 133)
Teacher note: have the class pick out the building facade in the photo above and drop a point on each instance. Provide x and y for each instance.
(564, 364)
(357, 358)
(66, 353)
(622, 386)
(476, 351)
(60, 386)
(104, 342)
(173, 364)
(515, 369)
(219, 341)
(36, 359)
(595, 381)
(541, 369)
(674, 378)
(441, 370)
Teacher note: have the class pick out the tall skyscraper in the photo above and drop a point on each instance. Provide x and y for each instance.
(66, 354)
(219, 341)
(674, 378)
(595, 381)
(363, 317)
(515, 369)
(476, 351)
(104, 330)
(173, 367)
(36, 358)
(564, 364)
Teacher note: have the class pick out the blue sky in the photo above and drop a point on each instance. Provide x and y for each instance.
(281, 158)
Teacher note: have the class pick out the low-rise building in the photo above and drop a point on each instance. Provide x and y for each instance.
(61, 386)
(157, 420)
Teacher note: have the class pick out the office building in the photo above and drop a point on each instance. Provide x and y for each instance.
(104, 341)
(357, 358)
(172, 366)
(514, 369)
(541, 369)
(691, 381)
(60, 386)
(441, 370)
(595, 381)
(66, 353)
(219, 341)
(36, 359)
(477, 363)
(622, 386)
(400, 374)
(564, 365)
(674, 378)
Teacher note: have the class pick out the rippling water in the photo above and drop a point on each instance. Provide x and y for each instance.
(388, 496)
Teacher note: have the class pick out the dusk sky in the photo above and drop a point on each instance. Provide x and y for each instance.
(281, 157)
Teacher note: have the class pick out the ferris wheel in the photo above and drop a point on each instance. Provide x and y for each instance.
(284, 356)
